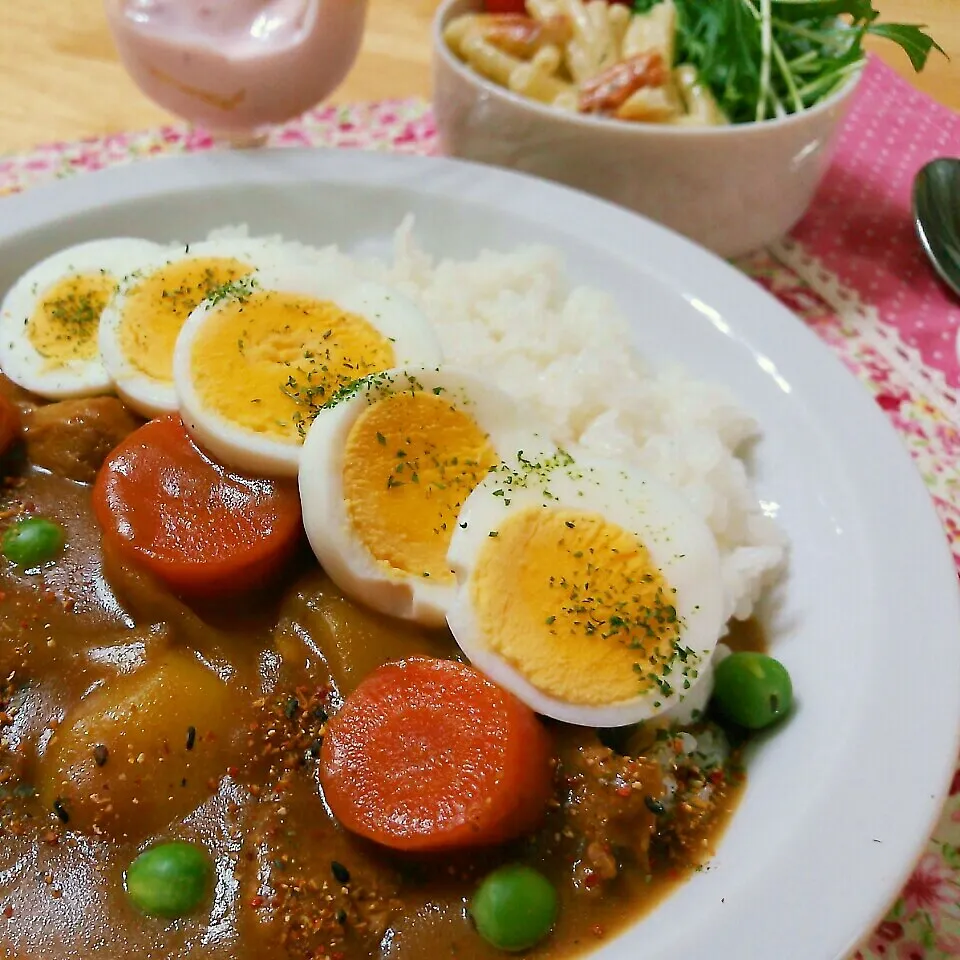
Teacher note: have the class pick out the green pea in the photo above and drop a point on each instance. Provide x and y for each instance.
(752, 690)
(32, 541)
(514, 908)
(169, 880)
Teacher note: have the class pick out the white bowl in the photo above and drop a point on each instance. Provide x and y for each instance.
(840, 800)
(732, 189)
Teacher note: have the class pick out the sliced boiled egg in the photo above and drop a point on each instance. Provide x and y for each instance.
(254, 367)
(386, 471)
(591, 590)
(50, 318)
(139, 329)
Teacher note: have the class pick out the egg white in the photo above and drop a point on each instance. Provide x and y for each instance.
(19, 359)
(148, 396)
(679, 542)
(393, 315)
(345, 559)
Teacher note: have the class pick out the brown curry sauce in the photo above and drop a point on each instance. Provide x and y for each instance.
(102, 670)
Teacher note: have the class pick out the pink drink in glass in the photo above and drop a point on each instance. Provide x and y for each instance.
(237, 66)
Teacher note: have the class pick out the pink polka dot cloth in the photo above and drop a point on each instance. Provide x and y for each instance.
(860, 227)
(852, 271)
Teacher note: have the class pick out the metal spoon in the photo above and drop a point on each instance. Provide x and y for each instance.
(936, 215)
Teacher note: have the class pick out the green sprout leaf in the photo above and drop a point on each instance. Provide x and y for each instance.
(917, 44)
(769, 58)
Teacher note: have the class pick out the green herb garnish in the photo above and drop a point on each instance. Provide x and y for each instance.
(232, 290)
(769, 58)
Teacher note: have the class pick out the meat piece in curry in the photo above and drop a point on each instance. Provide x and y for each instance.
(131, 717)
(73, 437)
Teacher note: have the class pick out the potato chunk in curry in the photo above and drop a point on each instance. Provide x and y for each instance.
(318, 623)
(141, 751)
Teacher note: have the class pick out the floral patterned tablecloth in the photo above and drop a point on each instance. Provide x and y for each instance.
(851, 270)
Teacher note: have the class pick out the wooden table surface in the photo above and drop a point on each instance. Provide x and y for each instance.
(60, 78)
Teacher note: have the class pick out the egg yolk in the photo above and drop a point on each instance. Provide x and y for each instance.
(64, 325)
(410, 461)
(577, 605)
(268, 361)
(156, 308)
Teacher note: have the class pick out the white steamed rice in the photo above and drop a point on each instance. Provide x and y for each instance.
(512, 318)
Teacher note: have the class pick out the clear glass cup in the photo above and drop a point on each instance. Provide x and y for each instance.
(237, 67)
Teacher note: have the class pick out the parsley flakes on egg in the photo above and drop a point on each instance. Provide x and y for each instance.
(257, 362)
(140, 328)
(589, 589)
(50, 318)
(384, 475)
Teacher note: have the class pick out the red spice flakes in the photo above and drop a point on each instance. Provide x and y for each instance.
(291, 731)
(8, 911)
(312, 911)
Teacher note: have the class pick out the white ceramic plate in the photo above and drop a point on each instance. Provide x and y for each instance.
(839, 801)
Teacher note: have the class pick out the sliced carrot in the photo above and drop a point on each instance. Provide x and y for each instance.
(430, 755)
(9, 424)
(164, 505)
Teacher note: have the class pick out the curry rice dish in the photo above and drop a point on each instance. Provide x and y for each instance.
(348, 611)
